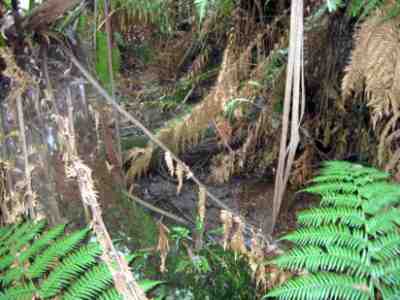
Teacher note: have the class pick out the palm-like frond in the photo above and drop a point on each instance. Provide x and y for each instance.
(110, 294)
(19, 292)
(335, 259)
(331, 215)
(91, 284)
(73, 265)
(322, 286)
(327, 236)
(50, 267)
(341, 200)
(349, 246)
(57, 250)
(385, 247)
(42, 242)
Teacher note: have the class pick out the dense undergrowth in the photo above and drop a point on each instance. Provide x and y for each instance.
(346, 249)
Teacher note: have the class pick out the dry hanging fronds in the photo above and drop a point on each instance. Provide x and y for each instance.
(233, 228)
(178, 170)
(180, 173)
(227, 223)
(163, 245)
(386, 138)
(223, 167)
(375, 65)
(302, 167)
(170, 163)
(237, 243)
(141, 163)
(189, 131)
(375, 71)
(256, 261)
(202, 204)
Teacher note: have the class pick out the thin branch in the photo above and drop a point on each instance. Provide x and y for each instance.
(155, 209)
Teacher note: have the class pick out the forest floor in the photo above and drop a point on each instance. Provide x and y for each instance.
(250, 195)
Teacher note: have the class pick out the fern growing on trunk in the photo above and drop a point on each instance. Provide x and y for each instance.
(51, 265)
(349, 248)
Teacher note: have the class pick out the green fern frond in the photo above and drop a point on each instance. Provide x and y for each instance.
(55, 252)
(12, 275)
(3, 232)
(327, 236)
(336, 166)
(34, 229)
(331, 215)
(18, 293)
(348, 200)
(322, 286)
(42, 242)
(332, 188)
(110, 294)
(93, 283)
(385, 247)
(73, 265)
(62, 268)
(4, 250)
(384, 222)
(388, 272)
(8, 231)
(6, 262)
(19, 232)
(355, 234)
(332, 178)
(370, 178)
(379, 196)
(390, 293)
(314, 259)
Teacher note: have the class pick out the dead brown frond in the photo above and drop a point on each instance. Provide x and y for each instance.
(374, 71)
(202, 204)
(227, 223)
(198, 65)
(302, 167)
(256, 260)
(223, 167)
(163, 245)
(233, 232)
(375, 66)
(386, 139)
(140, 163)
(189, 131)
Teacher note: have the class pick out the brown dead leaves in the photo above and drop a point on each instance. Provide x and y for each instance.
(163, 245)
